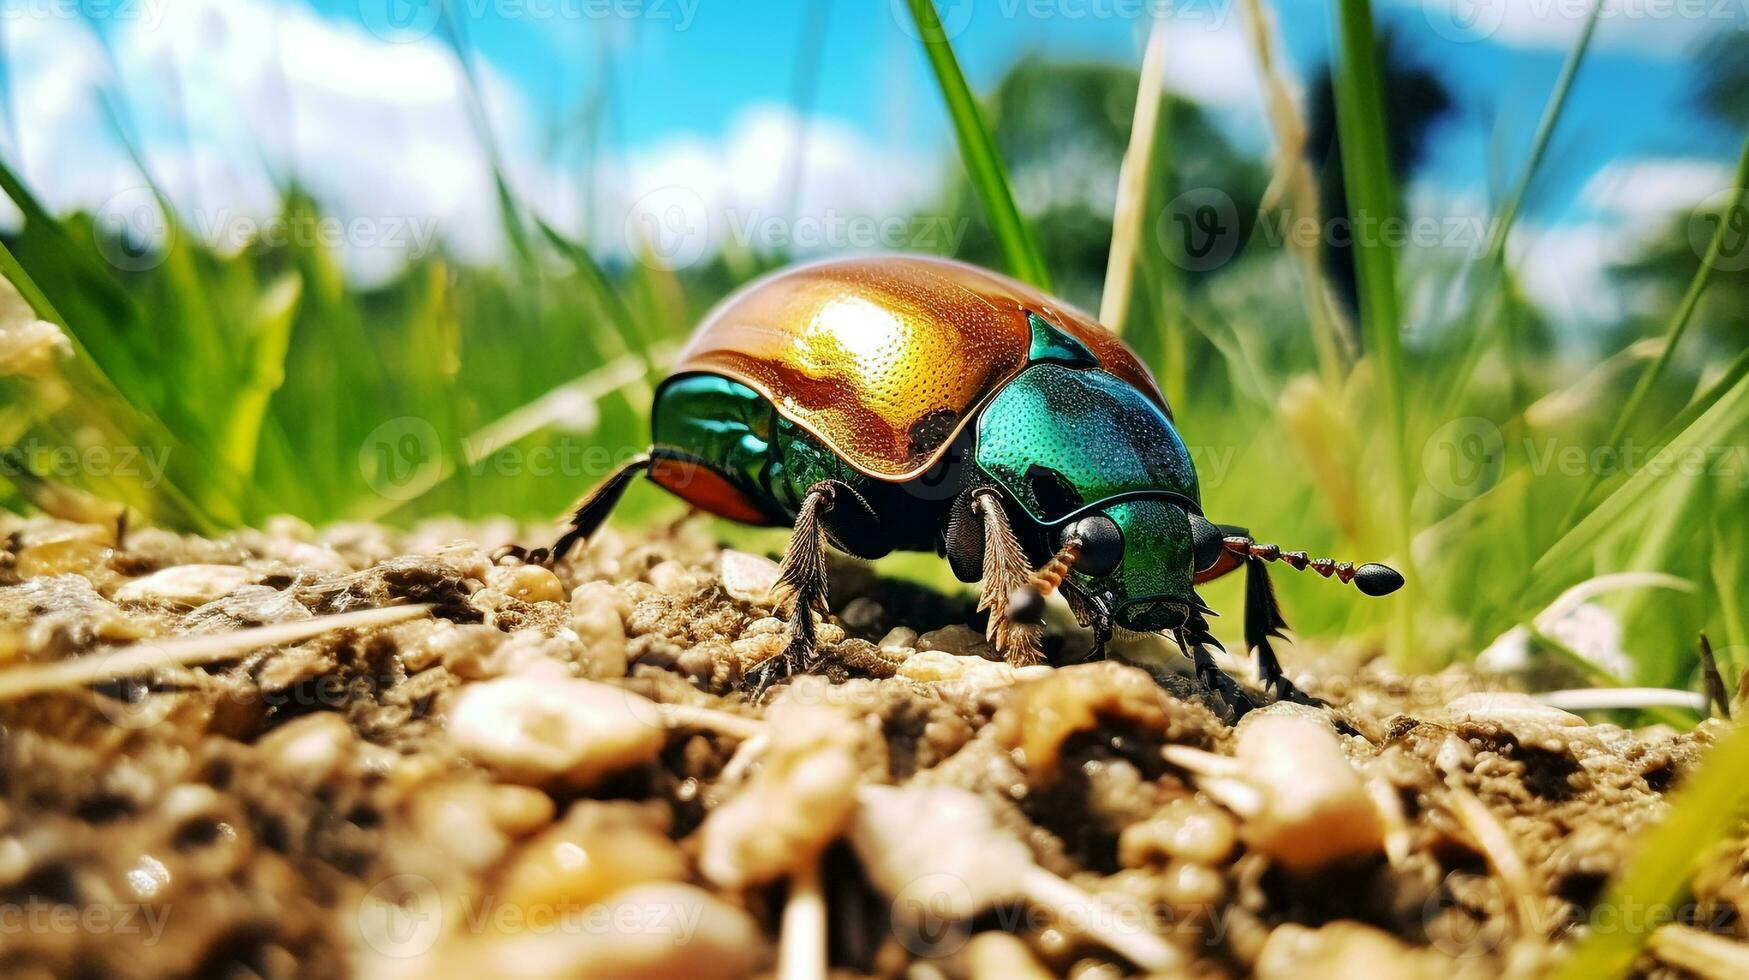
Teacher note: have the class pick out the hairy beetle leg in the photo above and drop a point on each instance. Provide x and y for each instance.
(801, 586)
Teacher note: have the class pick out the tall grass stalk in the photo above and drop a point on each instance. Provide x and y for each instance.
(1366, 171)
(1294, 180)
(978, 148)
(1673, 332)
(1132, 184)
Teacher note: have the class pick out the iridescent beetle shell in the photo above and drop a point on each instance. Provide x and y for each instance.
(885, 359)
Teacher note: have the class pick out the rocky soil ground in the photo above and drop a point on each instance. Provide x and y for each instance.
(516, 771)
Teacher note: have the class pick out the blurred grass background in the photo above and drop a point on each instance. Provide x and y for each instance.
(1378, 401)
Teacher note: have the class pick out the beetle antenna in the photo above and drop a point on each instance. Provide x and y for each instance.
(1371, 578)
(1047, 579)
(1026, 604)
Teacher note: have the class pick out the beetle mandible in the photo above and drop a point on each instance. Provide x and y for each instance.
(912, 403)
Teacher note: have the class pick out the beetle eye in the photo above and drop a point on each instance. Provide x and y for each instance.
(1101, 544)
(1207, 542)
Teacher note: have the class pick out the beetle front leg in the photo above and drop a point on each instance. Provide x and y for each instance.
(1005, 570)
(1263, 620)
(586, 516)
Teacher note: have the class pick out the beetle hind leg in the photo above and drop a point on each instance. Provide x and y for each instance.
(586, 517)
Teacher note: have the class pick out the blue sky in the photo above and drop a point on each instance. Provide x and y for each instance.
(694, 65)
(362, 100)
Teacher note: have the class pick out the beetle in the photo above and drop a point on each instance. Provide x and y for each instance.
(912, 403)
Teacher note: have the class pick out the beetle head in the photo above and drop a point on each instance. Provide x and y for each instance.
(1135, 556)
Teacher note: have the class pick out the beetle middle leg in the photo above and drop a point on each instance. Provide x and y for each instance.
(801, 584)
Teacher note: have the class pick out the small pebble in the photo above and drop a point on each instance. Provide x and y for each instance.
(899, 638)
(1508, 708)
(1184, 829)
(186, 585)
(545, 730)
(746, 577)
(530, 583)
(796, 803)
(595, 851)
(311, 748)
(1316, 810)
(672, 578)
(958, 639)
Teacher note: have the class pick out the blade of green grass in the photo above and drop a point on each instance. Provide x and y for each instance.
(264, 372)
(1719, 424)
(1495, 275)
(1673, 332)
(978, 148)
(1366, 171)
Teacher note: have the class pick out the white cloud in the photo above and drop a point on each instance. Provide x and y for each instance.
(689, 196)
(1565, 269)
(230, 94)
(1660, 27)
(221, 94)
(1654, 189)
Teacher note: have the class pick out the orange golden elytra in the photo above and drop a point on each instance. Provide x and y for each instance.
(911, 403)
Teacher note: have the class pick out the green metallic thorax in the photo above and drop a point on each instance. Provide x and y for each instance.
(737, 432)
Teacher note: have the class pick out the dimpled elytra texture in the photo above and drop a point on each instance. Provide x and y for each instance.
(885, 358)
(1097, 431)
